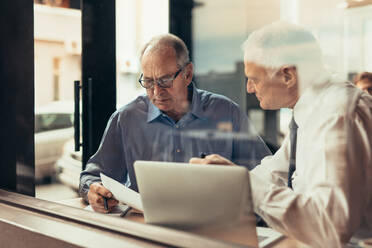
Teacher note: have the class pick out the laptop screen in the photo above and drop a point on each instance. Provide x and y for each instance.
(205, 198)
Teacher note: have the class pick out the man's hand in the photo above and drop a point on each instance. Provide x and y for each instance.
(211, 159)
(95, 197)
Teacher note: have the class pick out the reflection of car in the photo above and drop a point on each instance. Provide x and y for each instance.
(53, 127)
(69, 166)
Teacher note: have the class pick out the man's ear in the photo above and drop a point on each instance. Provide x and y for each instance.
(289, 74)
(189, 73)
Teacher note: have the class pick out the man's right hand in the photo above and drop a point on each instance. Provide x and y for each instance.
(212, 159)
(95, 198)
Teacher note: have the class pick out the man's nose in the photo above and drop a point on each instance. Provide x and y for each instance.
(250, 87)
(157, 89)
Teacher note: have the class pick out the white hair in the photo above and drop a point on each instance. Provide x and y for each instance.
(282, 43)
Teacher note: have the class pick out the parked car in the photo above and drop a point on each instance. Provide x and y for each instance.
(69, 166)
(53, 127)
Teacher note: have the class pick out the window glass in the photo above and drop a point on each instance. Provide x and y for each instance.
(219, 27)
(52, 121)
(57, 44)
(57, 28)
(218, 55)
(136, 22)
(343, 29)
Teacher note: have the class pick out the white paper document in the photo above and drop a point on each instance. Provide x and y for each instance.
(117, 210)
(266, 236)
(122, 193)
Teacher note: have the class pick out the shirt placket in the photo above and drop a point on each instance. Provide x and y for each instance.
(178, 151)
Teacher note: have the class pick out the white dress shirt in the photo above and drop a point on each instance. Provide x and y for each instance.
(332, 185)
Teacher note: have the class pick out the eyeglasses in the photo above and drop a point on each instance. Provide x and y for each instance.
(161, 82)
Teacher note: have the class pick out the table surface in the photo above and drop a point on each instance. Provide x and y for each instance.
(237, 234)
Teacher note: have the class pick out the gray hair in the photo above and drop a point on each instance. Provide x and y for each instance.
(168, 40)
(283, 43)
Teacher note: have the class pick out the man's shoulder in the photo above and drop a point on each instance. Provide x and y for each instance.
(209, 99)
(341, 97)
(138, 106)
(336, 99)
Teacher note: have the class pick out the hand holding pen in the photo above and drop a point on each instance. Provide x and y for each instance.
(100, 198)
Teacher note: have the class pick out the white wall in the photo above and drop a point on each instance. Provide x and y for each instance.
(345, 35)
(57, 35)
(137, 21)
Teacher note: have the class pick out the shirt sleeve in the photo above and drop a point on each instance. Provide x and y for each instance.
(108, 159)
(274, 169)
(331, 207)
(248, 147)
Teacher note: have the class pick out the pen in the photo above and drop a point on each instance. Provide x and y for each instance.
(125, 211)
(105, 202)
(202, 155)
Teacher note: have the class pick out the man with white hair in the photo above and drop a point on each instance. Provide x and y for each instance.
(174, 121)
(317, 187)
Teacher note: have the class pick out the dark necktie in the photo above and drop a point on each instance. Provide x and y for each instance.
(292, 156)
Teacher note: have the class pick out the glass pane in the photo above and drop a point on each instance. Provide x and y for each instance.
(57, 32)
(343, 29)
(137, 21)
(218, 55)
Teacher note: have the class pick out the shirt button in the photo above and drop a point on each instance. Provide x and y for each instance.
(177, 126)
(178, 150)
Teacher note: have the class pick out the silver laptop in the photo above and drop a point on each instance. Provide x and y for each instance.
(195, 197)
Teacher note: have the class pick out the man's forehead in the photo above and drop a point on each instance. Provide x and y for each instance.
(253, 68)
(159, 59)
(155, 66)
(156, 58)
(158, 52)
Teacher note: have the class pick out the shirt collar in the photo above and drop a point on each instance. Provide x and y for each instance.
(196, 107)
(153, 112)
(196, 103)
(308, 96)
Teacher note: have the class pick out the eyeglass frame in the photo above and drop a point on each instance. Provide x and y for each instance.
(171, 79)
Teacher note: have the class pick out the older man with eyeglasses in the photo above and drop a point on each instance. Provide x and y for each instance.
(174, 121)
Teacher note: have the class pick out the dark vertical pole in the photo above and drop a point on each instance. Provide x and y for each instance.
(17, 96)
(180, 20)
(77, 88)
(98, 71)
(271, 127)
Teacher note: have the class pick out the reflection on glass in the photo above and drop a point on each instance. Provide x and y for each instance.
(327, 152)
(136, 22)
(333, 160)
(57, 32)
(217, 49)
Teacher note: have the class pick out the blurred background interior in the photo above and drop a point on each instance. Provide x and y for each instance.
(213, 30)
